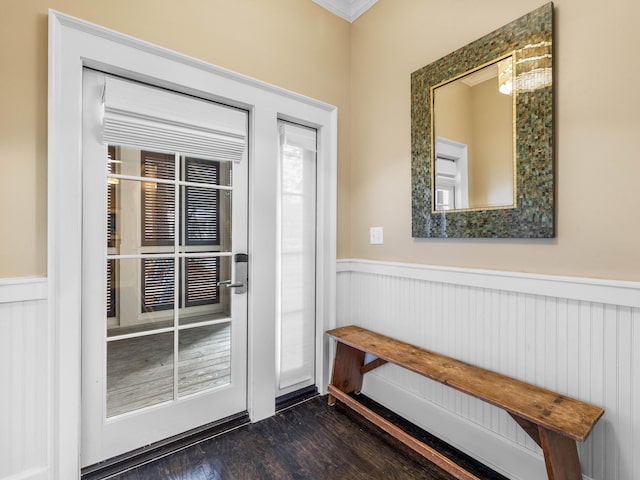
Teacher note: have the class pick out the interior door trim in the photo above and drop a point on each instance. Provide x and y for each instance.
(74, 44)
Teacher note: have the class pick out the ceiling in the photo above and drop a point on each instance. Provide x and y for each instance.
(347, 9)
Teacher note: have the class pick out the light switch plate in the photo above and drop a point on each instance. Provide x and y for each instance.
(376, 236)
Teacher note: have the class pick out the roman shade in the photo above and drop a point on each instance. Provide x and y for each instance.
(298, 136)
(146, 117)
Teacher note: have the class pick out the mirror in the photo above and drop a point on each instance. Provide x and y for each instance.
(473, 132)
(482, 136)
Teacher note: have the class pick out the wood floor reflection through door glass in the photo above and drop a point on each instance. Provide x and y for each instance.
(140, 369)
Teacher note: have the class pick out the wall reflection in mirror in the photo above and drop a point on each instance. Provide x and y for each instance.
(473, 139)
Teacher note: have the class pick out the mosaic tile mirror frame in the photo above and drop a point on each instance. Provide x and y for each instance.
(532, 212)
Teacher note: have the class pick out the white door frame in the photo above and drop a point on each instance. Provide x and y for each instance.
(458, 153)
(74, 44)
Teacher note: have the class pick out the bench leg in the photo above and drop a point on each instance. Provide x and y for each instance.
(560, 452)
(347, 375)
(560, 456)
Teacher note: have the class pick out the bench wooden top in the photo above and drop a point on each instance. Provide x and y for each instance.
(550, 410)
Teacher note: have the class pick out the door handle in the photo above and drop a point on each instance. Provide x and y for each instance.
(228, 284)
(241, 276)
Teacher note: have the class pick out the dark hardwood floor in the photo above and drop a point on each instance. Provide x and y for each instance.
(308, 441)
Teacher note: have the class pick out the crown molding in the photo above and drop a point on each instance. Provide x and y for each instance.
(347, 9)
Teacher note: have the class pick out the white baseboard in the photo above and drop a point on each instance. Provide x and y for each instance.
(487, 447)
(31, 474)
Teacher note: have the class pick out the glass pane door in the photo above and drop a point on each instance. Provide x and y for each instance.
(167, 320)
(164, 338)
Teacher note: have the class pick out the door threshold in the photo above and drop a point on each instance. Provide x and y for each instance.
(127, 461)
(290, 399)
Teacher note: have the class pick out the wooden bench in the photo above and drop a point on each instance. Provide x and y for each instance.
(553, 421)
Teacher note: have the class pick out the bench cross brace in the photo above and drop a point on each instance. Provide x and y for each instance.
(560, 452)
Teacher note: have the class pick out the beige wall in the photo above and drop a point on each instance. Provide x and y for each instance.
(597, 125)
(597, 122)
(290, 43)
(492, 158)
(452, 107)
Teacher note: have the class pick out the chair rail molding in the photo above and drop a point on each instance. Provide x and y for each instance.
(22, 289)
(616, 292)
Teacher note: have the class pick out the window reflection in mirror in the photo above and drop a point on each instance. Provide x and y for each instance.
(473, 132)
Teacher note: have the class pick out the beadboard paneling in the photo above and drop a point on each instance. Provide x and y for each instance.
(567, 342)
(24, 376)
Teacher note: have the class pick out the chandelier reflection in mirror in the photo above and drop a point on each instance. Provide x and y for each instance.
(533, 67)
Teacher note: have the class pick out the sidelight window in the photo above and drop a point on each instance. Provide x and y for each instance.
(296, 312)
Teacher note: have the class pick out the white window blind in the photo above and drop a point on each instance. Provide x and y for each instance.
(297, 257)
(147, 117)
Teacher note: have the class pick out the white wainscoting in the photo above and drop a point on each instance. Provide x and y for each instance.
(24, 380)
(579, 337)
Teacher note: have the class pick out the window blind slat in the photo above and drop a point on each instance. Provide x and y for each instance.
(157, 284)
(111, 288)
(201, 281)
(202, 226)
(158, 209)
(111, 198)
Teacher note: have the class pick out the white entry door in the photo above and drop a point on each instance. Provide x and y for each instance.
(164, 301)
